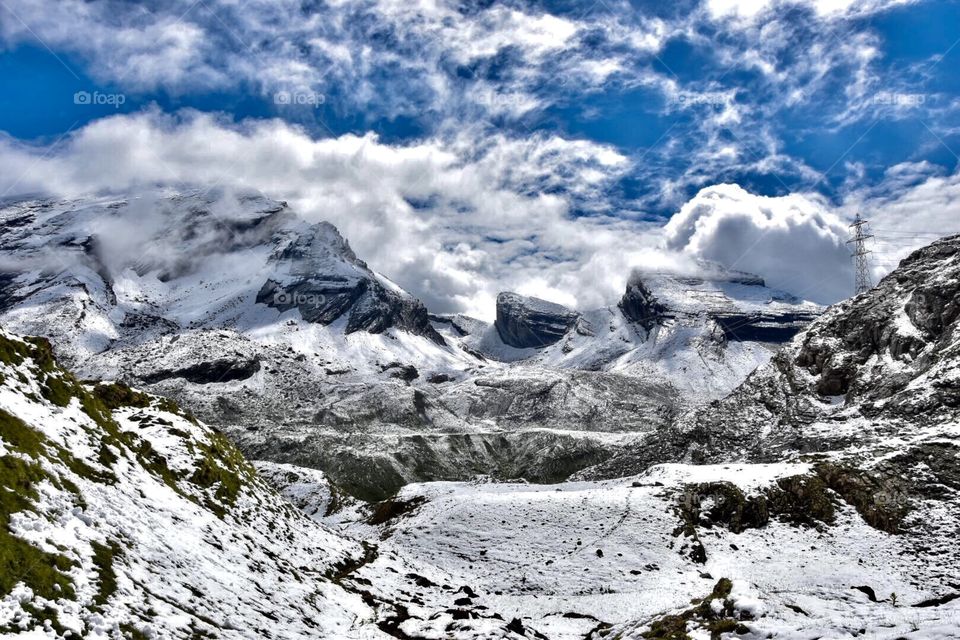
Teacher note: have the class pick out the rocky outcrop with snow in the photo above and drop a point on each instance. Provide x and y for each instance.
(702, 332)
(526, 322)
(881, 365)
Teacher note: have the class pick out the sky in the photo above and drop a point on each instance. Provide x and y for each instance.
(549, 148)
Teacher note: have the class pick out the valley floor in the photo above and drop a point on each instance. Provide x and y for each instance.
(623, 559)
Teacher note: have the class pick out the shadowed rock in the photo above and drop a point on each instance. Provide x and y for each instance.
(525, 322)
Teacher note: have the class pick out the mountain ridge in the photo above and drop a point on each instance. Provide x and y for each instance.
(274, 330)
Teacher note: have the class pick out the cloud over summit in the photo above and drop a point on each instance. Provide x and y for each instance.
(792, 241)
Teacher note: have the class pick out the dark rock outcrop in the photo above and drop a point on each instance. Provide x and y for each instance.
(525, 322)
(371, 307)
(326, 280)
(639, 304)
(222, 370)
(762, 327)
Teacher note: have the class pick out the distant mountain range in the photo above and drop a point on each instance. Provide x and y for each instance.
(272, 329)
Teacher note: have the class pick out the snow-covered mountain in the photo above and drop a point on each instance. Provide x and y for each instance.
(702, 332)
(275, 331)
(829, 506)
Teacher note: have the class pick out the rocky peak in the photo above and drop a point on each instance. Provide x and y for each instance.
(315, 246)
(527, 322)
(639, 304)
(317, 272)
(740, 304)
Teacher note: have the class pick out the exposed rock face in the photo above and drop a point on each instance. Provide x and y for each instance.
(639, 304)
(370, 306)
(742, 306)
(776, 328)
(525, 322)
(221, 370)
(322, 277)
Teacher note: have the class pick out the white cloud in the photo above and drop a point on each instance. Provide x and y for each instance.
(454, 221)
(827, 9)
(793, 241)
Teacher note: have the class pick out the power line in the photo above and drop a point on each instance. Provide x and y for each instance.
(924, 232)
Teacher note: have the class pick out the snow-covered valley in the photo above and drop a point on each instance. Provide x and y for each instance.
(646, 470)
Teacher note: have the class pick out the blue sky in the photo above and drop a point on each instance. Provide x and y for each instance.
(614, 113)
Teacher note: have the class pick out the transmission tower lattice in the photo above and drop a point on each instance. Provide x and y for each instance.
(859, 234)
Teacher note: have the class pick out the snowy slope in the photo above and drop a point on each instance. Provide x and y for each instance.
(767, 549)
(122, 516)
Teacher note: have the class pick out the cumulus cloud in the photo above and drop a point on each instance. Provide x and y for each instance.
(792, 241)
(456, 220)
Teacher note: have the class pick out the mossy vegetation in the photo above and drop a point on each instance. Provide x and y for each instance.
(219, 464)
(103, 558)
(215, 480)
(717, 620)
(43, 572)
(114, 395)
(130, 632)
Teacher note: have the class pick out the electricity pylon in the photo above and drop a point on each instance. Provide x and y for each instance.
(859, 234)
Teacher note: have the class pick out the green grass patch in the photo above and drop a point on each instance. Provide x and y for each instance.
(20, 561)
(103, 557)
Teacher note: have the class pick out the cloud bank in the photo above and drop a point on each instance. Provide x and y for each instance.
(792, 241)
(456, 220)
